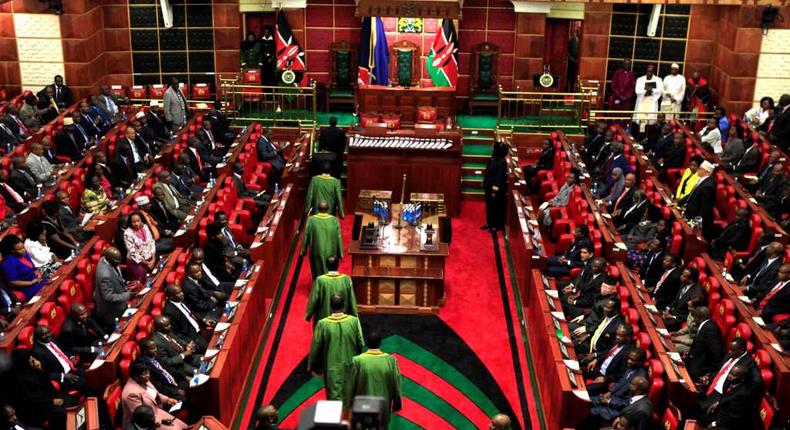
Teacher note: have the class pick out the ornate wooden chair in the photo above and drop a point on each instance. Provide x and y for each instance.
(342, 74)
(483, 84)
(404, 69)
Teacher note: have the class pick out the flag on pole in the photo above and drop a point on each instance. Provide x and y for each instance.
(290, 64)
(442, 62)
(374, 59)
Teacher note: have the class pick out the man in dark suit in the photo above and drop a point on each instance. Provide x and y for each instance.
(596, 337)
(716, 379)
(166, 380)
(664, 140)
(561, 265)
(735, 409)
(333, 140)
(22, 179)
(626, 197)
(186, 324)
(594, 142)
(8, 139)
(124, 167)
(14, 122)
(49, 153)
(68, 142)
(610, 364)
(701, 200)
(219, 123)
(653, 266)
(141, 158)
(161, 214)
(88, 122)
(545, 162)
(706, 351)
(734, 237)
(581, 295)
(202, 301)
(68, 219)
(54, 361)
(764, 276)
(666, 287)
(780, 133)
(632, 213)
(750, 161)
(157, 123)
(677, 310)
(268, 153)
(776, 300)
(80, 334)
(110, 294)
(609, 405)
(616, 160)
(600, 154)
(639, 412)
(212, 282)
(61, 93)
(178, 353)
(673, 156)
(13, 199)
(186, 180)
(769, 189)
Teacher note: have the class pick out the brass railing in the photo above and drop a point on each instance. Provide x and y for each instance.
(270, 105)
(545, 107)
(645, 116)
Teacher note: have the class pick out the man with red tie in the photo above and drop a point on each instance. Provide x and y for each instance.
(58, 366)
(775, 301)
(737, 355)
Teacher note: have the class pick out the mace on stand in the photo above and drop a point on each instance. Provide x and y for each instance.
(400, 212)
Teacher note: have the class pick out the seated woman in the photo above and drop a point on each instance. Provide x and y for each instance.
(710, 136)
(140, 391)
(684, 337)
(689, 178)
(36, 246)
(96, 169)
(758, 114)
(140, 248)
(18, 268)
(94, 199)
(617, 184)
(60, 241)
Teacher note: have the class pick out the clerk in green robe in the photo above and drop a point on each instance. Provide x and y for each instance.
(326, 188)
(336, 340)
(374, 373)
(322, 235)
(326, 286)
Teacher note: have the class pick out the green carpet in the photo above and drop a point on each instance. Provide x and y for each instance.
(477, 121)
(477, 150)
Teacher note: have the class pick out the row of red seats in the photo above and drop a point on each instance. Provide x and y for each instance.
(200, 91)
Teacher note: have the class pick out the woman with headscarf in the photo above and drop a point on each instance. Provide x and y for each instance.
(251, 57)
(34, 397)
(616, 187)
(18, 267)
(495, 188)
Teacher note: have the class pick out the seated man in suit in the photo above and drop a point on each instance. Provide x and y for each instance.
(70, 143)
(68, 218)
(261, 199)
(61, 93)
(769, 191)
(609, 405)
(656, 149)
(639, 412)
(561, 265)
(749, 162)
(763, 277)
(123, 166)
(676, 312)
(232, 244)
(268, 153)
(735, 409)
(672, 157)
(609, 365)
(713, 383)
(22, 180)
(734, 237)
(141, 158)
(167, 380)
(220, 258)
(155, 119)
(579, 296)
(633, 213)
(176, 203)
(161, 213)
(178, 353)
(39, 166)
(186, 323)
(700, 201)
(8, 138)
(54, 361)
(80, 334)
(666, 287)
(212, 282)
(595, 337)
(110, 294)
(706, 351)
(202, 301)
(743, 266)
(91, 121)
(184, 179)
(775, 301)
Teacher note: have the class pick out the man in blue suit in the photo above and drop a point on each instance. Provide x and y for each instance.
(267, 152)
(608, 405)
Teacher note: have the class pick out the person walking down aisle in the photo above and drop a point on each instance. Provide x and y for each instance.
(325, 188)
(324, 288)
(374, 373)
(495, 186)
(336, 340)
(322, 235)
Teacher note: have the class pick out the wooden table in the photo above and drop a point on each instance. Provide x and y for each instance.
(405, 101)
(426, 170)
(398, 277)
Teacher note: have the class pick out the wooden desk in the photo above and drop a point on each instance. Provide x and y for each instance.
(84, 417)
(398, 277)
(427, 170)
(405, 101)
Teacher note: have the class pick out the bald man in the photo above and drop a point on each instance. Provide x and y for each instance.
(80, 334)
(39, 166)
(110, 294)
(173, 350)
(500, 422)
(266, 418)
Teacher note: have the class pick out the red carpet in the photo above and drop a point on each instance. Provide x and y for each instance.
(473, 307)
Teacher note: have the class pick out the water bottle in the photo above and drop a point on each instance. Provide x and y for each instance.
(244, 267)
(40, 194)
(227, 308)
(195, 378)
(122, 194)
(203, 366)
(149, 284)
(117, 325)
(101, 351)
(276, 189)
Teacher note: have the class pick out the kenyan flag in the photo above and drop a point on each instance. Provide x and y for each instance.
(442, 63)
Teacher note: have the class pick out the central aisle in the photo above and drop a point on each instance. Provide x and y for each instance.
(459, 368)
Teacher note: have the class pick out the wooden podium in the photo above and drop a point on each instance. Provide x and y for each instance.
(398, 276)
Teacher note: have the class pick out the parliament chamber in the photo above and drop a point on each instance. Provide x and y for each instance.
(369, 214)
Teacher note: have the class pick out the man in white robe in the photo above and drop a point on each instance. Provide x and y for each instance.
(674, 91)
(649, 89)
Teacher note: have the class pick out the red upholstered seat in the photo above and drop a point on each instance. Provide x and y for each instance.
(766, 414)
(145, 326)
(52, 316)
(671, 419)
(201, 92)
(25, 338)
(157, 91)
(112, 399)
(138, 92)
